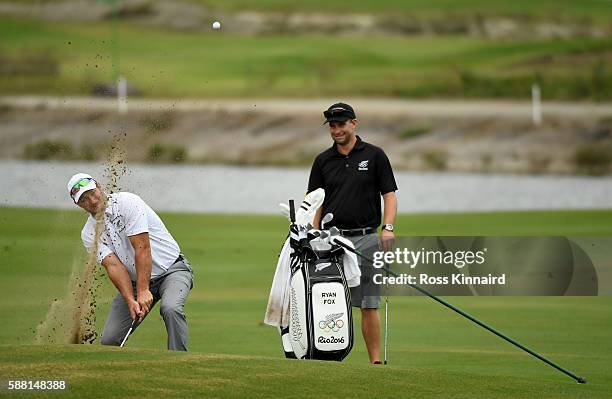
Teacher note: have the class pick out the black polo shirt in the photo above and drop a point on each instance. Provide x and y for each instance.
(353, 184)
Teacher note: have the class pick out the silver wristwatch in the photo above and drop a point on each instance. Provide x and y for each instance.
(388, 227)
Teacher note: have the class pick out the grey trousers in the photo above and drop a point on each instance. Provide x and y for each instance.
(367, 294)
(171, 289)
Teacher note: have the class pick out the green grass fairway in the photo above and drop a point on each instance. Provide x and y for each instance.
(434, 353)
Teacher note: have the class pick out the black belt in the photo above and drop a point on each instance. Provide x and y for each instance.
(357, 232)
(179, 259)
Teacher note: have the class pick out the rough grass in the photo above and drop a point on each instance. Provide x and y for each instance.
(596, 9)
(161, 63)
(543, 8)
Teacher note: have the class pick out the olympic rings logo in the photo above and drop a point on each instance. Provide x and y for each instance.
(332, 322)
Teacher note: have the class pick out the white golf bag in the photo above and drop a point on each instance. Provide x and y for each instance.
(320, 317)
(309, 300)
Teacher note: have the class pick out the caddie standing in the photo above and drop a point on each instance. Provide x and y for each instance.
(141, 258)
(354, 175)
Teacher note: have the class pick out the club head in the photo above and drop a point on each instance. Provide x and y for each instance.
(319, 245)
(326, 219)
(334, 231)
(312, 234)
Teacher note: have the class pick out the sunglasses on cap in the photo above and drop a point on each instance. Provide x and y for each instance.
(336, 112)
(81, 183)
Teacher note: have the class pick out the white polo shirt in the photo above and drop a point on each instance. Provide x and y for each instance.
(127, 215)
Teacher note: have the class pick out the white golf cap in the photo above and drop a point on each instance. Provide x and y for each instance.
(78, 184)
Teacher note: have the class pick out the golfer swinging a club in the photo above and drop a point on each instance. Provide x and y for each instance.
(141, 258)
(354, 175)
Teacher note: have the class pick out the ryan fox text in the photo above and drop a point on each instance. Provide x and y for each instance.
(453, 279)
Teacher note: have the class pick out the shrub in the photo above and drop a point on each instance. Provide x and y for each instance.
(162, 153)
(538, 163)
(49, 149)
(154, 124)
(30, 63)
(412, 132)
(87, 153)
(593, 159)
(486, 161)
(436, 160)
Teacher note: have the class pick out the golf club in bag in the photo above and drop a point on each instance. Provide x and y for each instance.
(320, 318)
(577, 378)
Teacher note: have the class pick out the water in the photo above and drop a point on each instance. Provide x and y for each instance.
(230, 189)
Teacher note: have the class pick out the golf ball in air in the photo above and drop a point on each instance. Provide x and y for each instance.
(216, 25)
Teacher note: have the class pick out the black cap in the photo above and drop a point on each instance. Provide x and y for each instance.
(339, 112)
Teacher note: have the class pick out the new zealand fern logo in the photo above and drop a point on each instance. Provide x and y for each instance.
(296, 330)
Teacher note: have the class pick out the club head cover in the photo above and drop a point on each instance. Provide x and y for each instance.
(312, 201)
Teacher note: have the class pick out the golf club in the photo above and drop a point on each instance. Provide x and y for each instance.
(128, 333)
(334, 231)
(291, 211)
(386, 322)
(312, 234)
(580, 380)
(326, 219)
